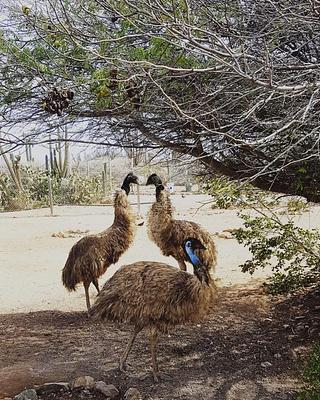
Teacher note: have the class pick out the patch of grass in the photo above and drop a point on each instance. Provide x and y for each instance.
(312, 376)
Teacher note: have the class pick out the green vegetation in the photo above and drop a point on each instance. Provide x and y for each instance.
(311, 376)
(75, 189)
(228, 194)
(271, 235)
(293, 252)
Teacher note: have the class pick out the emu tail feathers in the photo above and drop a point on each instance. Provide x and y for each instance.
(69, 278)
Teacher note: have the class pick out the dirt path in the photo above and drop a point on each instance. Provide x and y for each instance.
(247, 349)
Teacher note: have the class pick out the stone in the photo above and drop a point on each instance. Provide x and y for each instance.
(110, 391)
(247, 390)
(226, 235)
(132, 394)
(266, 364)
(293, 354)
(85, 382)
(53, 387)
(28, 394)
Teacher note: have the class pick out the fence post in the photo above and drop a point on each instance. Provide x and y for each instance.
(48, 167)
(110, 175)
(104, 179)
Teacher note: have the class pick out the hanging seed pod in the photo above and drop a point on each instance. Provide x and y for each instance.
(57, 100)
(70, 94)
(65, 103)
(51, 109)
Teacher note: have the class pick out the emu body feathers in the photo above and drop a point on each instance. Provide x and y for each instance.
(154, 295)
(148, 293)
(168, 233)
(90, 257)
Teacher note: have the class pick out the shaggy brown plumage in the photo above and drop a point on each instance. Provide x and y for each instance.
(90, 257)
(154, 295)
(169, 233)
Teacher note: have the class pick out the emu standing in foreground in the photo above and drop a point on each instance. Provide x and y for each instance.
(90, 257)
(156, 295)
(167, 232)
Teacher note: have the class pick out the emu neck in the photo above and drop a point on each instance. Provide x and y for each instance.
(202, 274)
(126, 187)
(164, 202)
(198, 269)
(123, 217)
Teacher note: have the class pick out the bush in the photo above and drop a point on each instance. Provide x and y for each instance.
(78, 190)
(227, 194)
(73, 190)
(293, 252)
(312, 376)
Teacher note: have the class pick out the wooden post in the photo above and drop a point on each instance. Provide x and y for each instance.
(48, 166)
(110, 175)
(139, 201)
(104, 178)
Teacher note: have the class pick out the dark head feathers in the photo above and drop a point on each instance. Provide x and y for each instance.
(130, 178)
(154, 179)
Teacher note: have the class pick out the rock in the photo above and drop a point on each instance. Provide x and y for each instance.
(298, 352)
(242, 390)
(110, 391)
(86, 382)
(293, 354)
(225, 235)
(28, 394)
(266, 364)
(277, 355)
(53, 387)
(132, 394)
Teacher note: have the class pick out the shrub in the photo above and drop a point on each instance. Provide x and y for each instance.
(291, 251)
(75, 189)
(227, 194)
(312, 376)
(79, 189)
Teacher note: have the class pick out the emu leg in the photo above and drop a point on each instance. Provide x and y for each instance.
(182, 264)
(86, 289)
(96, 284)
(153, 343)
(123, 358)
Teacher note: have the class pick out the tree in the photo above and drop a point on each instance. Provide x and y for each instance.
(234, 84)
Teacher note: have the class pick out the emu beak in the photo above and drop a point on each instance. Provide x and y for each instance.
(135, 179)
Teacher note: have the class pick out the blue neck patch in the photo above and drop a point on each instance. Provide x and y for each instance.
(193, 258)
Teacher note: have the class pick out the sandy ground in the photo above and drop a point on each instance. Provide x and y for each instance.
(31, 259)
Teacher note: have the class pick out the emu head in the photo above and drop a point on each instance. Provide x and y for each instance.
(154, 179)
(130, 178)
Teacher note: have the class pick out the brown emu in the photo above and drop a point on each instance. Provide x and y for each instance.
(156, 296)
(90, 257)
(167, 232)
